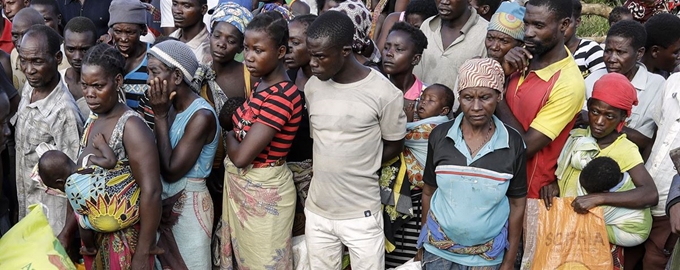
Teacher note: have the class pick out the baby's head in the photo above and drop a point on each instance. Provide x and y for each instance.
(437, 99)
(54, 167)
(228, 110)
(600, 175)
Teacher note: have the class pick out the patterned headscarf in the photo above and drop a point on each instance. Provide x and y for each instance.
(481, 72)
(287, 15)
(617, 91)
(508, 19)
(361, 17)
(233, 13)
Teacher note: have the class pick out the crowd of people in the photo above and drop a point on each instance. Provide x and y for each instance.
(196, 134)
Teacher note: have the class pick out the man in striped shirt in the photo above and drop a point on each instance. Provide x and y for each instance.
(587, 53)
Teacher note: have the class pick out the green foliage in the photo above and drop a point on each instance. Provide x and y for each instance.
(592, 26)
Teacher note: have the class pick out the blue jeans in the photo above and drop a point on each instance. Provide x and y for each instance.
(434, 262)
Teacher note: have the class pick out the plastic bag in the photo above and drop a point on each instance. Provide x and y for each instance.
(409, 265)
(563, 239)
(31, 244)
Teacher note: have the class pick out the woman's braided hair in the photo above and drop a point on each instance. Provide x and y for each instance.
(107, 57)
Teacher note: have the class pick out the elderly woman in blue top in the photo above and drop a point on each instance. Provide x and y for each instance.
(187, 137)
(475, 180)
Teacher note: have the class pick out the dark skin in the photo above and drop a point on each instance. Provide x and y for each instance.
(399, 57)
(542, 27)
(478, 105)
(604, 119)
(99, 89)
(75, 47)
(52, 17)
(570, 38)
(11, 7)
(453, 14)
(382, 29)
(329, 61)
(622, 58)
(126, 40)
(188, 15)
(6, 63)
(39, 66)
(482, 10)
(264, 58)
(297, 56)
(168, 89)
(225, 42)
(498, 44)
(662, 60)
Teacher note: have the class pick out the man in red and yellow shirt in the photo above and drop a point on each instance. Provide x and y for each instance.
(544, 93)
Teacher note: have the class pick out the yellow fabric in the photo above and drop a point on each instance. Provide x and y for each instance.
(401, 176)
(566, 98)
(246, 78)
(258, 210)
(622, 150)
(30, 244)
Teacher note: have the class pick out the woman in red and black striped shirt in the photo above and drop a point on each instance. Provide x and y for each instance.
(260, 195)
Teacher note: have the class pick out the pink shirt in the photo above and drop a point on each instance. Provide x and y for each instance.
(413, 93)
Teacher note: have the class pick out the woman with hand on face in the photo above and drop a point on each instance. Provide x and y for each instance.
(187, 135)
(475, 180)
(611, 103)
(260, 196)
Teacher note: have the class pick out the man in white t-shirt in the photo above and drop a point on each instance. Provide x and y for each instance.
(357, 121)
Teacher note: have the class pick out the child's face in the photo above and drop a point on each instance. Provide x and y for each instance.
(398, 54)
(433, 102)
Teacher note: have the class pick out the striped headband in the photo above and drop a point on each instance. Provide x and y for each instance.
(481, 72)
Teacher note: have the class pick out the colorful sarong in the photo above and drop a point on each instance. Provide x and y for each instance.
(193, 228)
(434, 235)
(259, 206)
(115, 250)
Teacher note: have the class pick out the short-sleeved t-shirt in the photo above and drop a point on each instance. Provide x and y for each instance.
(589, 57)
(348, 124)
(471, 200)
(547, 100)
(278, 107)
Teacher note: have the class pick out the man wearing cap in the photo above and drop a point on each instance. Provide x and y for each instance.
(188, 16)
(545, 91)
(187, 147)
(475, 180)
(128, 24)
(505, 31)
